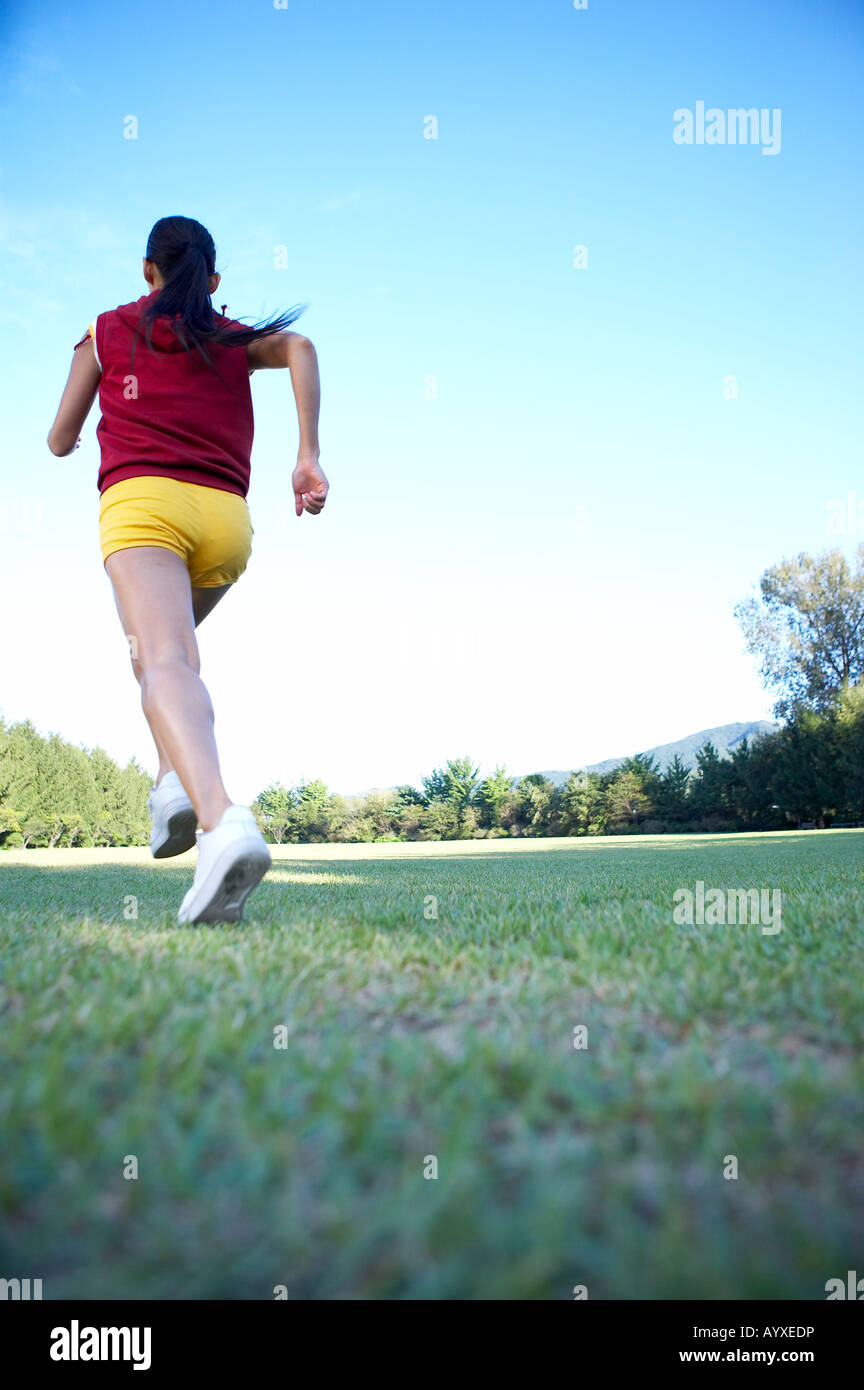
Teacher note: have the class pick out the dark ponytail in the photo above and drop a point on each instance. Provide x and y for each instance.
(185, 255)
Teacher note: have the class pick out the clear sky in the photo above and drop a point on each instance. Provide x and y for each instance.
(538, 564)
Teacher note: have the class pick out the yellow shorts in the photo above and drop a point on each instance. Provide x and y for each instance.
(208, 528)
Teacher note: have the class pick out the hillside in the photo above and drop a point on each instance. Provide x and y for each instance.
(724, 739)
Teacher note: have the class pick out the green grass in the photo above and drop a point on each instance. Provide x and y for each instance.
(409, 1037)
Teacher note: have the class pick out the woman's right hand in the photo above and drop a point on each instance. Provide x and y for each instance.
(310, 485)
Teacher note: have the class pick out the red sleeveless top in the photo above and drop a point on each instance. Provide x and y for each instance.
(168, 414)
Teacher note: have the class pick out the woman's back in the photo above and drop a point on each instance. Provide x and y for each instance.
(165, 410)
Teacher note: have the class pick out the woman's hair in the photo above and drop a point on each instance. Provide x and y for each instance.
(185, 255)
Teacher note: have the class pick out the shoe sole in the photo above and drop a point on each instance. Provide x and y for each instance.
(233, 886)
(181, 835)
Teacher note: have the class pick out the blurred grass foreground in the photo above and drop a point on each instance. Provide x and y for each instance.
(440, 1071)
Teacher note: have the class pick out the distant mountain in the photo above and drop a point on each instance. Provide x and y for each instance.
(724, 738)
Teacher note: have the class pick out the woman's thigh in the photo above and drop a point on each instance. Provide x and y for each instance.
(154, 601)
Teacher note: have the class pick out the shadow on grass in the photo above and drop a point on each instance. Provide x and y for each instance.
(581, 845)
(131, 896)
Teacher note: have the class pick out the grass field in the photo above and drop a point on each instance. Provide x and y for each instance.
(407, 1037)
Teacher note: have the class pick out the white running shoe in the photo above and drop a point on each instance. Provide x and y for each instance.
(232, 858)
(174, 819)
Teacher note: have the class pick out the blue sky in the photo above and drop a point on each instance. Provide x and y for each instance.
(538, 565)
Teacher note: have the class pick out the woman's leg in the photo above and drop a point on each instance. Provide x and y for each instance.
(154, 600)
(203, 602)
(164, 760)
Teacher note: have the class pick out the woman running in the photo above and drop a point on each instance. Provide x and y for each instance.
(175, 438)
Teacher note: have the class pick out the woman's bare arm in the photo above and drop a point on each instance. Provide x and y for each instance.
(298, 354)
(78, 396)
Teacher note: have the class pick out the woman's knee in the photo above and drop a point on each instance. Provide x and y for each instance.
(151, 665)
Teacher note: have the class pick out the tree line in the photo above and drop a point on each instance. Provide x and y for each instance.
(53, 793)
(810, 772)
(805, 626)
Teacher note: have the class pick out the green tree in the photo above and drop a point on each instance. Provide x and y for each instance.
(131, 819)
(407, 796)
(672, 787)
(632, 794)
(808, 779)
(708, 782)
(20, 753)
(584, 808)
(436, 787)
(495, 795)
(52, 793)
(747, 776)
(461, 776)
(439, 821)
(274, 809)
(312, 816)
(807, 628)
(537, 804)
(375, 817)
(850, 749)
